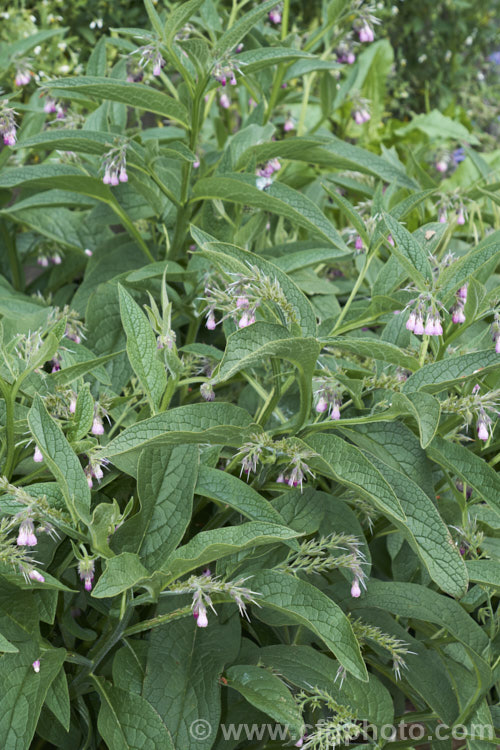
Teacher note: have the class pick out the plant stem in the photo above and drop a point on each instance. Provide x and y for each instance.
(7, 393)
(155, 622)
(353, 294)
(15, 265)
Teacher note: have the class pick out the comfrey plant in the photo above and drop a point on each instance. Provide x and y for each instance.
(248, 390)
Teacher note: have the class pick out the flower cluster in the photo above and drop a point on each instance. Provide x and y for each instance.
(265, 173)
(204, 587)
(332, 552)
(328, 397)
(23, 76)
(7, 123)
(151, 53)
(275, 15)
(475, 406)
(94, 470)
(114, 165)
(337, 728)
(457, 311)
(397, 648)
(425, 319)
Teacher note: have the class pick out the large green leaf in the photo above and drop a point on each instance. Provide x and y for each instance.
(214, 544)
(222, 424)
(120, 573)
(307, 605)
(142, 349)
(439, 375)
(61, 459)
(133, 94)
(278, 199)
(127, 721)
(346, 464)
(409, 252)
(240, 29)
(375, 349)
(183, 668)
(269, 694)
(165, 481)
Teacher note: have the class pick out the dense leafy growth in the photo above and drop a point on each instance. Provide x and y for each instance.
(249, 385)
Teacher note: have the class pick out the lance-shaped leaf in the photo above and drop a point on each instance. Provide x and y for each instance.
(142, 349)
(179, 16)
(120, 573)
(269, 694)
(303, 603)
(133, 94)
(426, 532)
(214, 544)
(240, 29)
(227, 489)
(61, 459)
(221, 424)
(485, 572)
(166, 478)
(437, 376)
(409, 252)
(424, 408)
(127, 721)
(460, 271)
(471, 469)
(278, 199)
(348, 465)
(376, 349)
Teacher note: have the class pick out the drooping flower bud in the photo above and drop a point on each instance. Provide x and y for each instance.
(457, 314)
(36, 665)
(366, 33)
(482, 429)
(355, 589)
(358, 243)
(97, 426)
(202, 619)
(207, 392)
(36, 576)
(411, 322)
(26, 536)
(211, 322)
(86, 572)
(322, 405)
(37, 455)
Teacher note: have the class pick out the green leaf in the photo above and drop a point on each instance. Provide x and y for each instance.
(166, 478)
(58, 699)
(471, 469)
(221, 424)
(240, 29)
(348, 210)
(23, 692)
(460, 271)
(127, 721)
(409, 252)
(133, 94)
(278, 199)
(375, 349)
(232, 259)
(424, 408)
(6, 647)
(120, 573)
(308, 606)
(211, 545)
(269, 694)
(182, 675)
(304, 667)
(437, 376)
(226, 489)
(256, 59)
(426, 532)
(179, 16)
(68, 375)
(81, 421)
(61, 459)
(348, 465)
(485, 572)
(438, 126)
(142, 350)
(154, 17)
(418, 602)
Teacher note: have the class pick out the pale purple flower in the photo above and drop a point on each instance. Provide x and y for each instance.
(462, 292)
(201, 617)
(43, 261)
(23, 77)
(97, 426)
(211, 322)
(36, 665)
(196, 164)
(72, 405)
(411, 322)
(56, 259)
(350, 58)
(497, 345)
(335, 410)
(366, 33)
(482, 430)
(441, 165)
(242, 302)
(244, 321)
(224, 101)
(358, 243)
(419, 325)
(275, 16)
(390, 240)
(88, 474)
(280, 479)
(322, 405)
(289, 125)
(37, 455)
(86, 572)
(355, 589)
(50, 106)
(26, 536)
(207, 392)
(36, 576)
(461, 216)
(458, 315)
(88, 252)
(123, 175)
